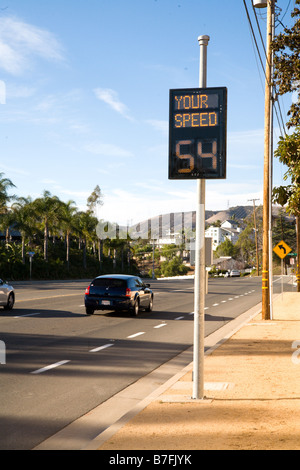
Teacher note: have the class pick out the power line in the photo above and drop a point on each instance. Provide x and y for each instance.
(275, 99)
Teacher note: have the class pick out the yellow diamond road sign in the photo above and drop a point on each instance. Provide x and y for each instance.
(282, 249)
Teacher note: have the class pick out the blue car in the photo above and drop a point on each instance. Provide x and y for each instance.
(118, 292)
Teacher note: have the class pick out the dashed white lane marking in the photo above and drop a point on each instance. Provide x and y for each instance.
(51, 366)
(160, 326)
(28, 315)
(136, 334)
(179, 318)
(215, 305)
(101, 347)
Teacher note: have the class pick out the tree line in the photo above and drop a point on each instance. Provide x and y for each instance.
(60, 239)
(286, 79)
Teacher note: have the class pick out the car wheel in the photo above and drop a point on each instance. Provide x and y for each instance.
(10, 302)
(89, 311)
(136, 308)
(150, 306)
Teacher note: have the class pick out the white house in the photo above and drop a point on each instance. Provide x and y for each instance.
(229, 229)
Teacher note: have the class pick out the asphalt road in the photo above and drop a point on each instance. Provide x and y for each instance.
(61, 363)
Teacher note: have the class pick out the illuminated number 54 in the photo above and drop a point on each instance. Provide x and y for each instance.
(200, 153)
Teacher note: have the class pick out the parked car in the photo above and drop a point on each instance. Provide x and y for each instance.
(234, 273)
(7, 295)
(118, 292)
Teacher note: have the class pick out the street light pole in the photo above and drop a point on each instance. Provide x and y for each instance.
(200, 278)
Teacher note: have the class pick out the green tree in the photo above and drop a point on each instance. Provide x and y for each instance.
(95, 199)
(288, 152)
(173, 267)
(24, 220)
(286, 47)
(169, 251)
(246, 241)
(5, 198)
(68, 225)
(227, 248)
(85, 225)
(47, 212)
(287, 78)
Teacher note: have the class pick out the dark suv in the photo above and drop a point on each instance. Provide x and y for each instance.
(118, 292)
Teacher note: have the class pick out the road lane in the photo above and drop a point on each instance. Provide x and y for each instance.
(83, 360)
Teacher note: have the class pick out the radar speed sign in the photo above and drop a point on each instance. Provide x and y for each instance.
(197, 133)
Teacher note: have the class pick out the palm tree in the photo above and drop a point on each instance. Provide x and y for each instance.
(47, 210)
(85, 226)
(24, 220)
(67, 223)
(5, 184)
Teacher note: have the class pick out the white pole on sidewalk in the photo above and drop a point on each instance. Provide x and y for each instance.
(200, 278)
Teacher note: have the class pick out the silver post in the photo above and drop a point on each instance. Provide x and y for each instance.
(200, 280)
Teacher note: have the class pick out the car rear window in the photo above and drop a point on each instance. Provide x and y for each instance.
(106, 282)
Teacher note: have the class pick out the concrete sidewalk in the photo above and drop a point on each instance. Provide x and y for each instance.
(252, 387)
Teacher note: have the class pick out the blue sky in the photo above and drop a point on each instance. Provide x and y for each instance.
(87, 100)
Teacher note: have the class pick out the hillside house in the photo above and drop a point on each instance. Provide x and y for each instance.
(229, 229)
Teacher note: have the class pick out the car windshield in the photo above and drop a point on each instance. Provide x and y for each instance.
(106, 282)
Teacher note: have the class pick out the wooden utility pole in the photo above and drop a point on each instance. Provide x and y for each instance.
(266, 189)
(256, 238)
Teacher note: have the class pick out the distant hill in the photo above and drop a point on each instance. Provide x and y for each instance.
(237, 213)
(175, 220)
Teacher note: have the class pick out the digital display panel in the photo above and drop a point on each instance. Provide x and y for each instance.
(197, 133)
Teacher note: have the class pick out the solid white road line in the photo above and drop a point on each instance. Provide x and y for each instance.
(102, 347)
(52, 366)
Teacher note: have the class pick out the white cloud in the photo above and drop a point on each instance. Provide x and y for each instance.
(162, 126)
(246, 137)
(111, 98)
(14, 170)
(10, 60)
(49, 102)
(20, 41)
(15, 91)
(108, 150)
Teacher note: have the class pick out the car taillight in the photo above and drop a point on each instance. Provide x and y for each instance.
(128, 292)
(87, 291)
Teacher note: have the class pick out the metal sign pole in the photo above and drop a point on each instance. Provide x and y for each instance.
(200, 280)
